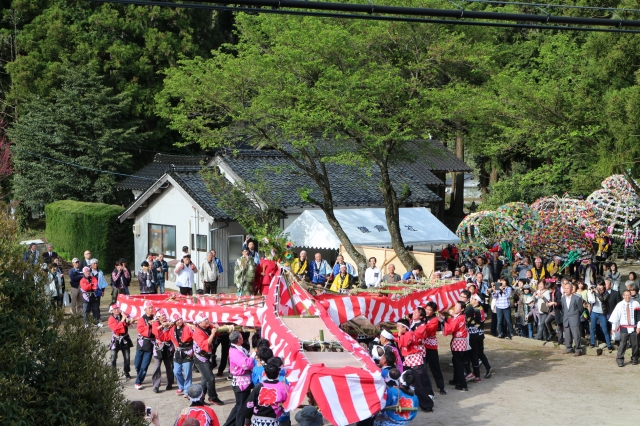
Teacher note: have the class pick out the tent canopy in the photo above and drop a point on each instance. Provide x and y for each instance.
(368, 227)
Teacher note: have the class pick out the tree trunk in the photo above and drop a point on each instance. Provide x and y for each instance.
(358, 258)
(484, 178)
(493, 176)
(457, 179)
(392, 214)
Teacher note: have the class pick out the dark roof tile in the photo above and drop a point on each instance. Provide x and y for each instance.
(161, 164)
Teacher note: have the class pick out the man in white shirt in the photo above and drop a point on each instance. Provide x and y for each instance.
(373, 275)
(185, 275)
(624, 318)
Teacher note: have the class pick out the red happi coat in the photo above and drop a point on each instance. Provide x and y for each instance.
(457, 328)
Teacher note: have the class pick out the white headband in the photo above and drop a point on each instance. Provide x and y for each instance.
(387, 335)
(198, 398)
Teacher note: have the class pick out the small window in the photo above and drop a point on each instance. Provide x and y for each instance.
(162, 239)
(201, 240)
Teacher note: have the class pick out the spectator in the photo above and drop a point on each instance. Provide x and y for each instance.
(373, 275)
(319, 271)
(542, 297)
(147, 279)
(53, 285)
(583, 290)
(31, 255)
(209, 274)
(597, 298)
(102, 282)
(587, 272)
(391, 277)
(351, 270)
(614, 296)
(161, 269)
(521, 267)
(203, 335)
(571, 311)
(249, 245)
(244, 274)
(450, 256)
(502, 296)
(484, 269)
(539, 272)
(197, 411)
(553, 267)
(49, 255)
(119, 278)
(59, 280)
(220, 270)
(240, 365)
(86, 261)
(75, 275)
(89, 287)
(624, 319)
(300, 267)
(140, 409)
(496, 265)
(120, 339)
(614, 275)
(523, 312)
(554, 313)
(634, 292)
(127, 281)
(185, 275)
(414, 275)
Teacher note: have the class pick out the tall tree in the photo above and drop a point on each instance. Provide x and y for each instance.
(319, 91)
(81, 130)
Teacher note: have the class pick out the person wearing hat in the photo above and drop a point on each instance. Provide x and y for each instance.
(162, 351)
(146, 341)
(198, 410)
(75, 275)
(203, 334)
(120, 339)
(413, 359)
(89, 286)
(342, 281)
(309, 416)
(587, 272)
(387, 339)
(185, 275)
(182, 339)
(456, 327)
(523, 310)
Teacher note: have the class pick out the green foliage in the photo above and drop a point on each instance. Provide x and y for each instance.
(84, 124)
(73, 227)
(52, 370)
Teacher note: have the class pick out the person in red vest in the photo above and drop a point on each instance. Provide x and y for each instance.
(162, 351)
(120, 339)
(182, 338)
(197, 410)
(146, 341)
(450, 256)
(457, 328)
(411, 350)
(431, 357)
(265, 271)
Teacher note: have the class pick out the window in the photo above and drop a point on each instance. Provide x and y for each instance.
(202, 243)
(162, 239)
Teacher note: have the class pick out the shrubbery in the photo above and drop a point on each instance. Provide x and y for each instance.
(74, 226)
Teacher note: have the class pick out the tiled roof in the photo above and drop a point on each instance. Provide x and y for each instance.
(436, 157)
(191, 181)
(350, 185)
(161, 164)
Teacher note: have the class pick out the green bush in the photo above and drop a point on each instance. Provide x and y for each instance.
(74, 226)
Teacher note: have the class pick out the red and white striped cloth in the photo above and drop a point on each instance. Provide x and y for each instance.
(344, 395)
(384, 309)
(215, 310)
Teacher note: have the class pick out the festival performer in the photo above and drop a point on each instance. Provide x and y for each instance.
(419, 327)
(265, 271)
(244, 273)
(387, 340)
(162, 351)
(450, 256)
(553, 267)
(120, 339)
(342, 281)
(431, 357)
(264, 404)
(413, 359)
(146, 341)
(197, 410)
(625, 318)
(300, 267)
(400, 395)
(351, 270)
(456, 327)
(319, 271)
(182, 339)
(240, 365)
(203, 335)
(539, 272)
(476, 354)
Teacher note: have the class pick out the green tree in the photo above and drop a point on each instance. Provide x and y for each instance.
(322, 91)
(52, 370)
(84, 124)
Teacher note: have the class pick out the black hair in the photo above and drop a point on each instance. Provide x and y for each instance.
(144, 263)
(423, 313)
(265, 354)
(263, 343)
(418, 267)
(200, 292)
(277, 361)
(373, 259)
(185, 249)
(466, 293)
(394, 374)
(462, 304)
(271, 371)
(138, 408)
(390, 356)
(433, 305)
(408, 377)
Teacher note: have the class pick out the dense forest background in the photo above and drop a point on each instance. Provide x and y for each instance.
(97, 86)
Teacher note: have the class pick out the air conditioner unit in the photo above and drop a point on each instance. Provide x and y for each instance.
(136, 230)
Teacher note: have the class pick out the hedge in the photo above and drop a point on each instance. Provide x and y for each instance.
(73, 227)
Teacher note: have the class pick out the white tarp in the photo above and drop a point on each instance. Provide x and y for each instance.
(368, 227)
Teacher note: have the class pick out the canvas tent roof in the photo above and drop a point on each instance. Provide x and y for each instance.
(368, 227)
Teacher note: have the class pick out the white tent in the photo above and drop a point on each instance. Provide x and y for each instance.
(368, 227)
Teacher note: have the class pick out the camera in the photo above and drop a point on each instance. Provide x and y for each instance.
(148, 412)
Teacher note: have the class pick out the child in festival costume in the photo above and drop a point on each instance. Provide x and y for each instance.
(264, 405)
(399, 394)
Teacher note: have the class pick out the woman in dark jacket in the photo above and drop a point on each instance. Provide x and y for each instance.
(119, 280)
(147, 279)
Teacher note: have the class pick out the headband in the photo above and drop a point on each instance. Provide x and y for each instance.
(387, 335)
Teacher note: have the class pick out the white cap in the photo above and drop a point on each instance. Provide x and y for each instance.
(199, 318)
